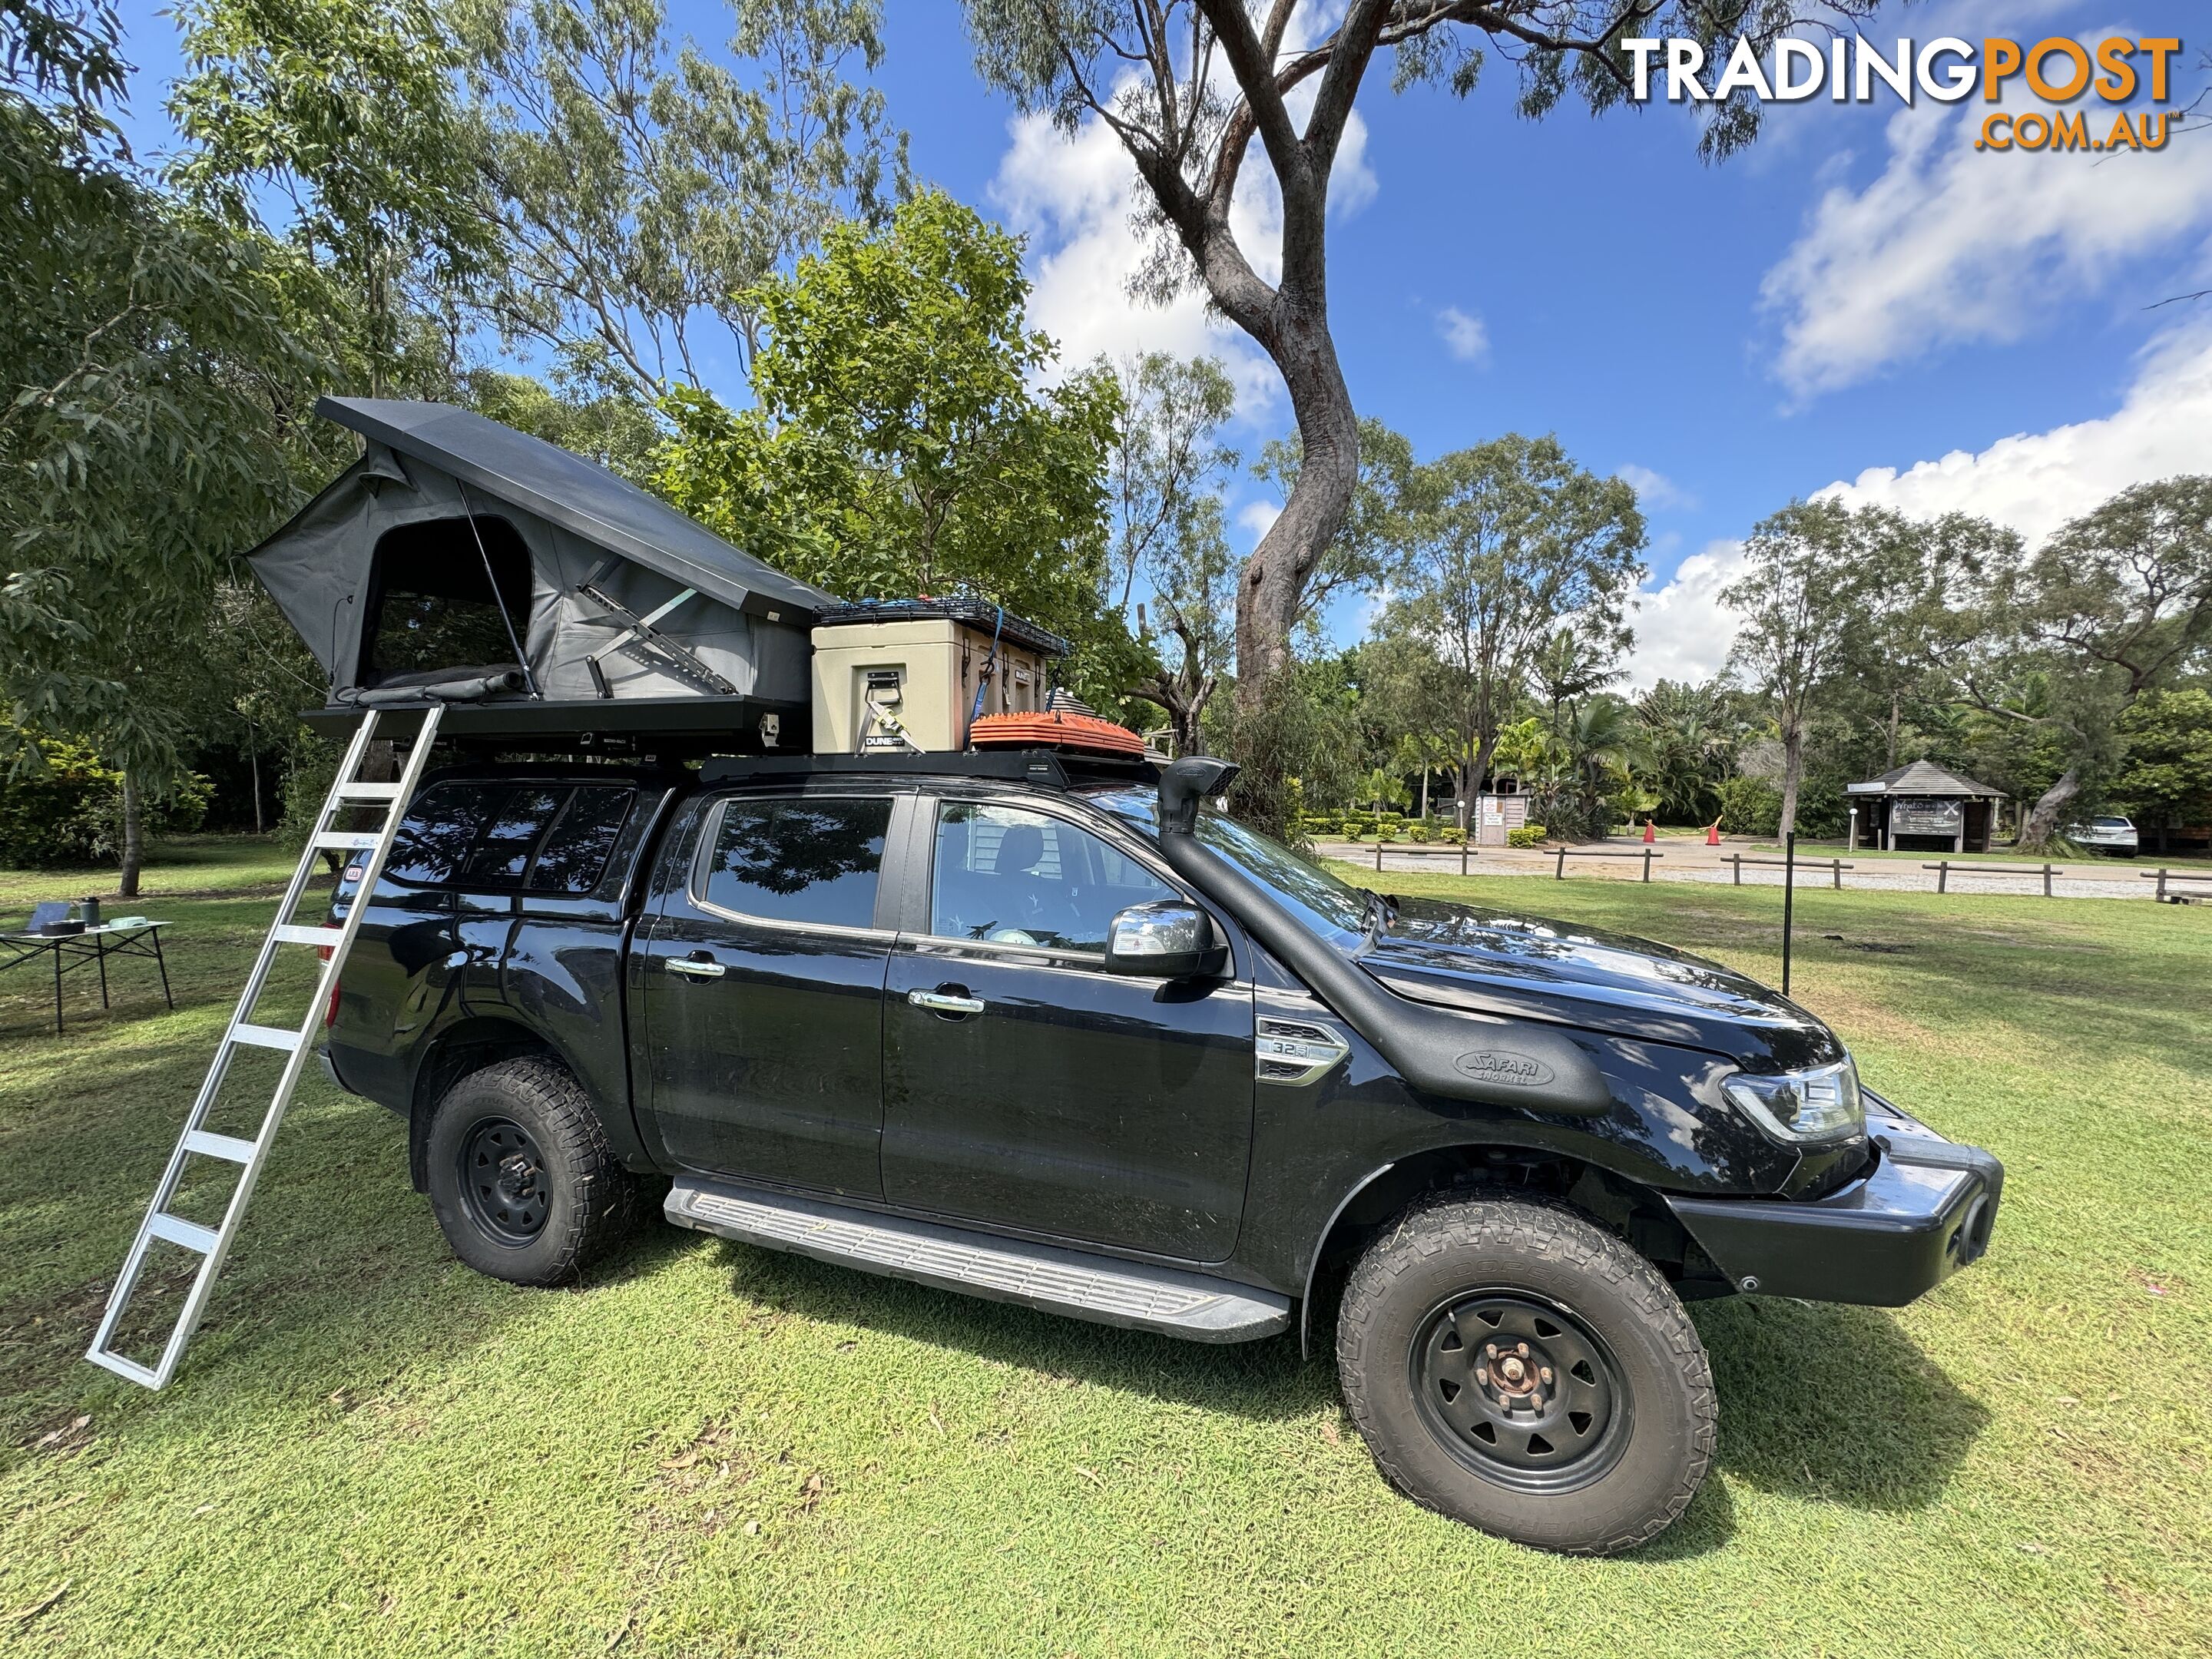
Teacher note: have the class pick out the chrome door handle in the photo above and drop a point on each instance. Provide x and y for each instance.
(696, 967)
(938, 1002)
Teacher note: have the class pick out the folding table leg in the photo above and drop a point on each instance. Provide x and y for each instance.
(57, 990)
(162, 962)
(100, 951)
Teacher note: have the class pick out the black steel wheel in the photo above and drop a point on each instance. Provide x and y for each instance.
(1520, 1390)
(1513, 1365)
(522, 1179)
(504, 1185)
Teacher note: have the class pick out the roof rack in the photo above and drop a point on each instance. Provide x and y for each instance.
(1051, 768)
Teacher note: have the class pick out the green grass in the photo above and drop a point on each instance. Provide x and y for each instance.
(714, 1450)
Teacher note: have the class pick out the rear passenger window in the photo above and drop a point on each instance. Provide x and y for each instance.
(502, 853)
(802, 861)
(441, 826)
(574, 855)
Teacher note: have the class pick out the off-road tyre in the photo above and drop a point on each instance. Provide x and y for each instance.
(1449, 1262)
(567, 1198)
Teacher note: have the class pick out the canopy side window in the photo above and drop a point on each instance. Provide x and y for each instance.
(432, 608)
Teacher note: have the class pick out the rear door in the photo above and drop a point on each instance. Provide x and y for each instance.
(760, 984)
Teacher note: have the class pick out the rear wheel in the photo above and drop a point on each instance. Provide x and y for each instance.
(522, 1180)
(1515, 1367)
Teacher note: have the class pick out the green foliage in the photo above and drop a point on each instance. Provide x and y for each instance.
(1504, 542)
(154, 360)
(350, 111)
(1749, 806)
(1165, 475)
(2166, 772)
(1526, 835)
(899, 446)
(617, 429)
(69, 810)
(644, 190)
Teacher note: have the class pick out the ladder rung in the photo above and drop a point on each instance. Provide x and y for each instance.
(287, 934)
(369, 791)
(178, 1231)
(346, 841)
(208, 1144)
(145, 1376)
(265, 1037)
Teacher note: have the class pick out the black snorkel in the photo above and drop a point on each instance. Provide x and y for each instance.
(1458, 1056)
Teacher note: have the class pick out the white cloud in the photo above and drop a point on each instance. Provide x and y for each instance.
(1954, 244)
(1077, 199)
(1654, 491)
(2035, 482)
(1682, 630)
(1259, 518)
(1463, 335)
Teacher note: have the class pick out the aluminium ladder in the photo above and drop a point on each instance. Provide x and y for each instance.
(213, 1243)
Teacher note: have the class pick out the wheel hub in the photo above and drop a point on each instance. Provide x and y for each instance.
(1519, 1389)
(503, 1184)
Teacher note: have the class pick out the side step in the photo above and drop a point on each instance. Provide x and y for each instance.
(1100, 1288)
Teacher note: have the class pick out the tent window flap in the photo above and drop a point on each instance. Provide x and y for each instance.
(432, 607)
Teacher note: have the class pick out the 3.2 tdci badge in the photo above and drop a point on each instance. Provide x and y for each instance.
(1493, 1066)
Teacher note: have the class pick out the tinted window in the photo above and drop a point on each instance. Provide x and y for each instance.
(808, 860)
(1021, 878)
(520, 819)
(1315, 897)
(441, 826)
(574, 855)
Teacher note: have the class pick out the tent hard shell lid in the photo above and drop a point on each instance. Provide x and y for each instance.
(461, 562)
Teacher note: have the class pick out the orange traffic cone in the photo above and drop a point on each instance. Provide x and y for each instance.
(1713, 833)
(1650, 831)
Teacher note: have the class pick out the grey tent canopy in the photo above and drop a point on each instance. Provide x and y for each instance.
(461, 561)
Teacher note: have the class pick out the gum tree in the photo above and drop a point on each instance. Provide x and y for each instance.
(1194, 89)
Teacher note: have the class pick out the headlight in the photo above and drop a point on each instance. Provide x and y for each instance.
(1818, 1105)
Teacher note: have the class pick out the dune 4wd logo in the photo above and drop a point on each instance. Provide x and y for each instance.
(2059, 70)
(1495, 1066)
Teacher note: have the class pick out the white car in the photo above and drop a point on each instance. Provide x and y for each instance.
(2104, 835)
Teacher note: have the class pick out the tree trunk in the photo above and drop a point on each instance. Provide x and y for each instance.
(1793, 773)
(253, 761)
(1424, 794)
(1893, 700)
(134, 836)
(2043, 818)
(1270, 592)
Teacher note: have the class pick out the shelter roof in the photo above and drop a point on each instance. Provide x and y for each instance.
(1922, 777)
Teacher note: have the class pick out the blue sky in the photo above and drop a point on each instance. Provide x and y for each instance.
(1859, 292)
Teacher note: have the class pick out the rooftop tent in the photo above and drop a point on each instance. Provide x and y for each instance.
(419, 570)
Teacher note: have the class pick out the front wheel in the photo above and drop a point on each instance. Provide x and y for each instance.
(522, 1180)
(1515, 1367)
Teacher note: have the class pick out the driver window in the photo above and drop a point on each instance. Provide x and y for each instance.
(1020, 878)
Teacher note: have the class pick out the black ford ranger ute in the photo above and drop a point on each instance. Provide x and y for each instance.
(1055, 1032)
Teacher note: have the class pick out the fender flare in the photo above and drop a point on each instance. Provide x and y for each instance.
(1320, 1240)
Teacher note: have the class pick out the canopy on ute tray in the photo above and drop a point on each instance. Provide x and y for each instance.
(418, 572)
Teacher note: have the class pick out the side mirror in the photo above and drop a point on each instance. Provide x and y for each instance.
(1164, 940)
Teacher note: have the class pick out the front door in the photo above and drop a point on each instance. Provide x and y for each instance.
(1025, 1086)
(761, 983)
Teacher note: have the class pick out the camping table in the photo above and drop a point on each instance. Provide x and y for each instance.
(71, 951)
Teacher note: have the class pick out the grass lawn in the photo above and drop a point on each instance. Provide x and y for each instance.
(715, 1450)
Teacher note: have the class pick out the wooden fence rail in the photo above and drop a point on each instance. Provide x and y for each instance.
(1943, 872)
(1647, 853)
(2162, 875)
(1834, 867)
